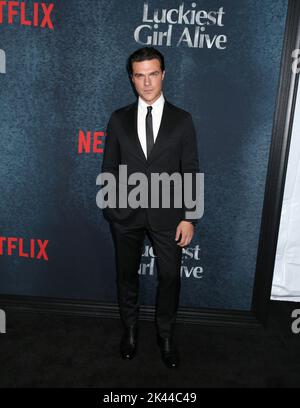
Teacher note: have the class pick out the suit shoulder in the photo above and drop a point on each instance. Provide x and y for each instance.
(179, 111)
(119, 113)
(123, 109)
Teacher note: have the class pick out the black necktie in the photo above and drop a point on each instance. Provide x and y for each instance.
(149, 131)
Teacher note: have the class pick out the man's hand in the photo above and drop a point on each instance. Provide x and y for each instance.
(186, 230)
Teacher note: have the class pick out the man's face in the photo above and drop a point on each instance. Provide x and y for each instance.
(147, 78)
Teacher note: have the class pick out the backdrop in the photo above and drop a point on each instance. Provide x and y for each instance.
(62, 65)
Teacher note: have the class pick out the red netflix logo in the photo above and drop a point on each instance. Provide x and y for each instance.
(15, 11)
(32, 248)
(89, 142)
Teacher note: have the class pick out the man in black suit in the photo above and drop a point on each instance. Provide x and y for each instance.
(150, 136)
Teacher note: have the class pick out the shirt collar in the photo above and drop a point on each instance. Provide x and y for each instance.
(155, 105)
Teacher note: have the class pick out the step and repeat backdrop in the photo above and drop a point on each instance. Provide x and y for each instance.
(63, 72)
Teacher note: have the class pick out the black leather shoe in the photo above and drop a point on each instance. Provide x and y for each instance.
(169, 352)
(128, 344)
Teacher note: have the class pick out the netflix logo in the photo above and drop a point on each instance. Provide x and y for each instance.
(35, 14)
(90, 142)
(24, 248)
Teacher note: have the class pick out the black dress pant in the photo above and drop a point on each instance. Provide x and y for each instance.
(129, 243)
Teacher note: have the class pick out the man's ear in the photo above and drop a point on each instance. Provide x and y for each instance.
(163, 75)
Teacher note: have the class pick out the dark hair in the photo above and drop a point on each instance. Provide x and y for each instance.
(145, 54)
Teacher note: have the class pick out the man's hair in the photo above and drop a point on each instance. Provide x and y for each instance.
(145, 54)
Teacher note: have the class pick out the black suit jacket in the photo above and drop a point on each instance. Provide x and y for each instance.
(174, 150)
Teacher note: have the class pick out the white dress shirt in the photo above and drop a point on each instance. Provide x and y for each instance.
(157, 111)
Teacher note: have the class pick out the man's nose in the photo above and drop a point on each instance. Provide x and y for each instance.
(147, 80)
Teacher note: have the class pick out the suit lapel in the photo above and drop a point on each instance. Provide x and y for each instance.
(164, 130)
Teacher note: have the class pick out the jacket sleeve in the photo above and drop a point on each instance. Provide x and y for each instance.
(189, 164)
(111, 155)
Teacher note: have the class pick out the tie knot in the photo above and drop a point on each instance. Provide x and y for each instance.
(149, 109)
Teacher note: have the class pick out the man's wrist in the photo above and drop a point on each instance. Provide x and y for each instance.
(191, 222)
